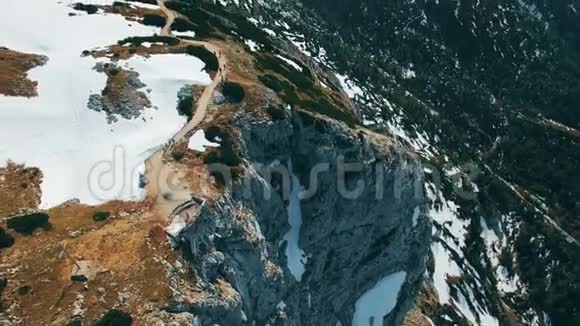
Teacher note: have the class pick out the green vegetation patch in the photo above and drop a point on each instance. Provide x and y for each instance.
(210, 60)
(320, 104)
(150, 2)
(101, 216)
(27, 224)
(24, 290)
(137, 40)
(89, 9)
(115, 317)
(6, 240)
(154, 20)
(185, 102)
(276, 113)
(206, 26)
(227, 153)
(233, 92)
(182, 25)
(210, 19)
(303, 80)
(120, 4)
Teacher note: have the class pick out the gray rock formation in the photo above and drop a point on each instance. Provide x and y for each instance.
(119, 100)
(351, 239)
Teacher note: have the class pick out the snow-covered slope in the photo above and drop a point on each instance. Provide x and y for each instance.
(80, 154)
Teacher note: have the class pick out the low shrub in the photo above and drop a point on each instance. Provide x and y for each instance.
(3, 284)
(178, 155)
(115, 317)
(137, 40)
(182, 25)
(184, 107)
(210, 60)
(185, 102)
(233, 92)
(227, 153)
(203, 21)
(101, 216)
(303, 80)
(6, 240)
(24, 290)
(89, 9)
(27, 224)
(120, 4)
(153, 20)
(151, 2)
(75, 322)
(276, 113)
(276, 84)
(323, 106)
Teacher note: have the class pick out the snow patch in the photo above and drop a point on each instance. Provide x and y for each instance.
(376, 303)
(290, 62)
(350, 87)
(198, 142)
(252, 45)
(295, 255)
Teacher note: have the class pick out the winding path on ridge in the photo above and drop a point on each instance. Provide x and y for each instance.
(163, 184)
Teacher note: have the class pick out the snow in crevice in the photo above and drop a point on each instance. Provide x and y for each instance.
(253, 46)
(416, 213)
(349, 86)
(445, 267)
(450, 244)
(295, 256)
(379, 301)
(290, 62)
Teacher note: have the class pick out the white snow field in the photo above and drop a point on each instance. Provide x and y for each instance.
(376, 303)
(294, 254)
(79, 153)
(197, 142)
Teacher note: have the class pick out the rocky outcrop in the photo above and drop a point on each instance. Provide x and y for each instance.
(363, 218)
(122, 96)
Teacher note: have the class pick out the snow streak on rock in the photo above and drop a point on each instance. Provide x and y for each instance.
(376, 303)
(294, 254)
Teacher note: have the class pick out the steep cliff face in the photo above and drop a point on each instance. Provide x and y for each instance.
(362, 218)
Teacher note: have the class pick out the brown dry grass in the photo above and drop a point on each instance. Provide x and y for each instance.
(19, 189)
(125, 251)
(13, 73)
(118, 91)
(123, 52)
(415, 318)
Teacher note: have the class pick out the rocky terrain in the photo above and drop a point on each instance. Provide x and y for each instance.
(239, 240)
(122, 95)
(294, 214)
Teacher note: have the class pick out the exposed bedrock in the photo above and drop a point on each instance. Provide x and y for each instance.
(365, 220)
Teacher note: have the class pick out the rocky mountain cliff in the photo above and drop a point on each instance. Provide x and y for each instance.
(486, 93)
(347, 244)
